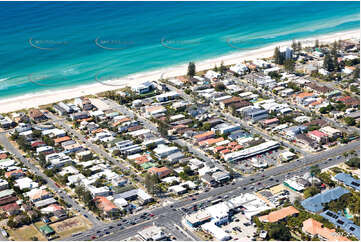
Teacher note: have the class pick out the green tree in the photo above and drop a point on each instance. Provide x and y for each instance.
(353, 162)
(222, 68)
(11, 223)
(311, 191)
(290, 65)
(191, 69)
(150, 182)
(350, 121)
(328, 63)
(315, 170)
(187, 170)
(294, 45)
(220, 87)
(278, 57)
(215, 68)
(356, 74)
(279, 232)
(317, 44)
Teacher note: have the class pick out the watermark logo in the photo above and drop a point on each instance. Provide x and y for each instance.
(242, 44)
(46, 80)
(177, 44)
(113, 44)
(113, 80)
(47, 44)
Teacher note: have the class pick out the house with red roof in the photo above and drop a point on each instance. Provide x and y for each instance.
(107, 206)
(316, 229)
(203, 136)
(11, 208)
(279, 215)
(15, 173)
(318, 136)
(160, 172)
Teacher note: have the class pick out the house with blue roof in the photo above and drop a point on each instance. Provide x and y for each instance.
(342, 222)
(315, 204)
(348, 180)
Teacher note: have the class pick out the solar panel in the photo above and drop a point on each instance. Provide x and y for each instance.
(340, 222)
(329, 214)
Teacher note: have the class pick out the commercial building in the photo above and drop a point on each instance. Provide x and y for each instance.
(153, 233)
(163, 151)
(315, 204)
(252, 151)
(348, 180)
(279, 215)
(198, 218)
(216, 231)
(342, 222)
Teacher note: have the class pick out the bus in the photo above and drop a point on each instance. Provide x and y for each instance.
(216, 201)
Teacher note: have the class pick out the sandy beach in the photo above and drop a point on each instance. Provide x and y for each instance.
(42, 98)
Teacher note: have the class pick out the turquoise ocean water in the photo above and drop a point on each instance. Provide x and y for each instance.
(52, 45)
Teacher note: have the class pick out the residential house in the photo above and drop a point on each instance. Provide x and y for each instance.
(107, 206)
(160, 172)
(36, 115)
(314, 228)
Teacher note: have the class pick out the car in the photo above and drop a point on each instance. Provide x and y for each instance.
(262, 175)
(151, 215)
(271, 179)
(329, 158)
(193, 199)
(339, 157)
(107, 232)
(119, 224)
(93, 237)
(85, 215)
(252, 179)
(110, 227)
(98, 232)
(244, 188)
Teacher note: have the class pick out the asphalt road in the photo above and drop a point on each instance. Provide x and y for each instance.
(9, 147)
(251, 183)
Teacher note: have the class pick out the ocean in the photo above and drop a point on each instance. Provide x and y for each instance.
(53, 45)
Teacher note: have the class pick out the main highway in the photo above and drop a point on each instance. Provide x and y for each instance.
(270, 177)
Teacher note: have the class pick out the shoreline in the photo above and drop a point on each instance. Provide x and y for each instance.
(46, 97)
